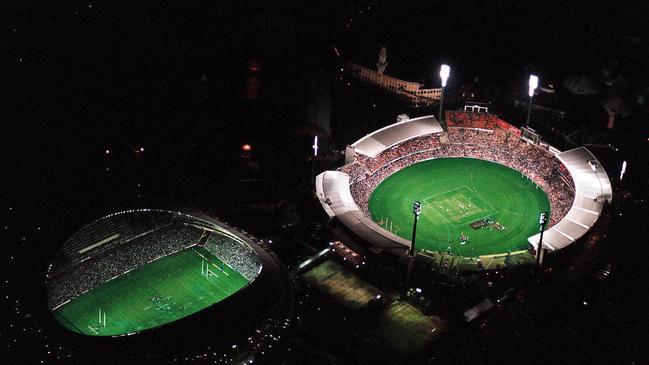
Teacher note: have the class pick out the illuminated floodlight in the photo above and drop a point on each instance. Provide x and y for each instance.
(444, 73)
(416, 208)
(418, 290)
(623, 170)
(315, 146)
(534, 83)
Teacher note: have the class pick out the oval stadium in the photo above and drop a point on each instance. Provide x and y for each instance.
(481, 184)
(153, 276)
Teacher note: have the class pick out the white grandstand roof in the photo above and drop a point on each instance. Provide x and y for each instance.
(332, 189)
(592, 188)
(393, 134)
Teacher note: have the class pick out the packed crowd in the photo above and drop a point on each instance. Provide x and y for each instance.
(123, 227)
(121, 258)
(494, 145)
(470, 119)
(235, 254)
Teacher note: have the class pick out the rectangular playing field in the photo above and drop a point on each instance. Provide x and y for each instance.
(460, 205)
(154, 294)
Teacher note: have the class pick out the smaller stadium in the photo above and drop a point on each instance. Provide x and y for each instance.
(482, 184)
(144, 272)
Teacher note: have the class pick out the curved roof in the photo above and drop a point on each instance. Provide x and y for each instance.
(393, 134)
(592, 189)
(332, 189)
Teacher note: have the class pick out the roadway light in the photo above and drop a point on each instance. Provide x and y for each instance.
(533, 83)
(623, 170)
(444, 73)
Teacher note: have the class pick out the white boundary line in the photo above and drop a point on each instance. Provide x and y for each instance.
(491, 211)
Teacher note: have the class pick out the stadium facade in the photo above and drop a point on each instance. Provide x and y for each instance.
(153, 283)
(574, 181)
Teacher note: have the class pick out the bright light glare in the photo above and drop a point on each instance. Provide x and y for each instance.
(534, 83)
(444, 73)
(315, 146)
(623, 170)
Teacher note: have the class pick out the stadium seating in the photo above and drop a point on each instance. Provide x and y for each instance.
(236, 255)
(472, 135)
(394, 134)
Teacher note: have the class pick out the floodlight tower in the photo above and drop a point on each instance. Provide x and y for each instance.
(543, 221)
(315, 155)
(416, 210)
(533, 84)
(444, 73)
(620, 190)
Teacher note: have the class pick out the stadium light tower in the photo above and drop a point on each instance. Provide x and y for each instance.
(416, 210)
(620, 189)
(444, 73)
(543, 220)
(315, 154)
(533, 83)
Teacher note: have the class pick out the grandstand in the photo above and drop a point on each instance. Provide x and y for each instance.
(573, 181)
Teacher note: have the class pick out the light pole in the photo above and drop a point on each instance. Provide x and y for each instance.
(416, 210)
(533, 83)
(315, 154)
(543, 220)
(444, 73)
(620, 190)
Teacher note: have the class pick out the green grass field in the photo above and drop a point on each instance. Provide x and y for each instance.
(455, 192)
(161, 292)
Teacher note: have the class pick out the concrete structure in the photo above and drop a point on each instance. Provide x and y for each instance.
(411, 90)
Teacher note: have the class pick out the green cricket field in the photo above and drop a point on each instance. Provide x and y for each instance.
(469, 207)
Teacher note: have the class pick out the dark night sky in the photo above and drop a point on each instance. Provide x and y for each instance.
(81, 77)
